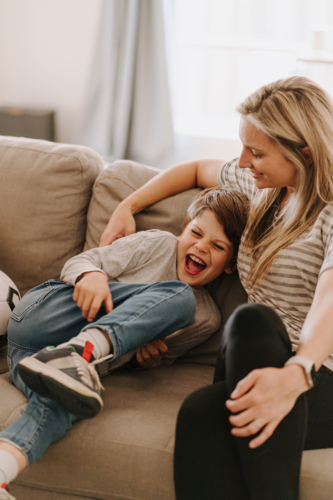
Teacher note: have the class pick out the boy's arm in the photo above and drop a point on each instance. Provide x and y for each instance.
(114, 260)
(207, 322)
(90, 272)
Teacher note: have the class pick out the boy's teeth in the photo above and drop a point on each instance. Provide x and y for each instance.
(197, 260)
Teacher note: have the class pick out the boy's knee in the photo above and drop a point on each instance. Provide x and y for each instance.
(187, 304)
(181, 299)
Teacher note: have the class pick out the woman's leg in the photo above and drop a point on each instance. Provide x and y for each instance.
(320, 418)
(254, 337)
(206, 462)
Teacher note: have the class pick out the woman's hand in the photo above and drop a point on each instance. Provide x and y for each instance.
(90, 292)
(121, 224)
(151, 353)
(262, 399)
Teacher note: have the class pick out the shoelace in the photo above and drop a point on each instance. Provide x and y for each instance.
(101, 360)
(87, 372)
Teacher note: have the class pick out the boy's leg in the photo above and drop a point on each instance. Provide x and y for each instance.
(41, 423)
(142, 313)
(46, 315)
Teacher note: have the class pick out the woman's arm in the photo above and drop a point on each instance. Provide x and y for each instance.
(267, 395)
(316, 342)
(178, 178)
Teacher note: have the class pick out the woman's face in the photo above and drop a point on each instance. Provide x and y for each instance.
(268, 167)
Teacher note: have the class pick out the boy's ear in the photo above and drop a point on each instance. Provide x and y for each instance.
(231, 268)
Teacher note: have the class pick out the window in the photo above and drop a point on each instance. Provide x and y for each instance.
(224, 50)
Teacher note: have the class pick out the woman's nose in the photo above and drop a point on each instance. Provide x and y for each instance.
(244, 159)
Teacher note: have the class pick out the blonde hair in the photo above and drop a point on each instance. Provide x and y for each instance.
(294, 113)
(229, 206)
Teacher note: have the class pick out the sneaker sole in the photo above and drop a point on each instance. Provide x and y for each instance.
(51, 383)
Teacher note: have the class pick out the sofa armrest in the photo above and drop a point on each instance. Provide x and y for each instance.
(45, 190)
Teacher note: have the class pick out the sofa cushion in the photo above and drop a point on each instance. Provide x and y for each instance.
(45, 190)
(120, 180)
(126, 452)
(3, 360)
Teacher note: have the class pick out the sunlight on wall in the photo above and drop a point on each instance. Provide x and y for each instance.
(224, 50)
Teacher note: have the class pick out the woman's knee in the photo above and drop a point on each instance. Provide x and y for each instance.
(253, 321)
(203, 405)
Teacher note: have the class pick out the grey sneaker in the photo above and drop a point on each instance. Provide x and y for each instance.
(64, 376)
(5, 495)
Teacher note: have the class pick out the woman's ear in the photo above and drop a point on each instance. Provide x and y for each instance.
(308, 155)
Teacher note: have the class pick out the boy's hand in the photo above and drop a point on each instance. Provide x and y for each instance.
(151, 353)
(90, 292)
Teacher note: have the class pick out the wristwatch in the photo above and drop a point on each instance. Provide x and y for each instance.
(307, 365)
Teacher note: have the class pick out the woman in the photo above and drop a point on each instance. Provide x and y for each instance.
(243, 437)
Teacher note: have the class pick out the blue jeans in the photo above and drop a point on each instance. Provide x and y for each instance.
(47, 315)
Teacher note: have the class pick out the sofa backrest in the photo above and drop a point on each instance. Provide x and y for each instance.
(45, 190)
(117, 182)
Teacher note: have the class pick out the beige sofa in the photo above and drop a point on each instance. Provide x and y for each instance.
(55, 201)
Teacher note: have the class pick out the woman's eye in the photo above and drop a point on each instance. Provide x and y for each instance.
(257, 156)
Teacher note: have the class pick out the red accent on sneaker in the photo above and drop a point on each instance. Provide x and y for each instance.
(4, 486)
(87, 351)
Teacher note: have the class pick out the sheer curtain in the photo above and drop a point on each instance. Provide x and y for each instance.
(226, 49)
(127, 112)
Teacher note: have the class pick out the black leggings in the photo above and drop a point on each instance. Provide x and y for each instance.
(210, 463)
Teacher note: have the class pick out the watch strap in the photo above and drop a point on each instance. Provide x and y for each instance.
(307, 365)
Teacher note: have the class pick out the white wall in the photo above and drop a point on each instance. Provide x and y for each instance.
(46, 49)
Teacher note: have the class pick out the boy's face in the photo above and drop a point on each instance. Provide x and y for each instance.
(204, 251)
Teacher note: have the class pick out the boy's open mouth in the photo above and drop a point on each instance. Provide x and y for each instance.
(194, 265)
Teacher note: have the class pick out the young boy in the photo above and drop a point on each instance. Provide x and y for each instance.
(127, 299)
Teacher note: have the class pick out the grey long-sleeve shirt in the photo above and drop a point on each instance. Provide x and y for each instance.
(147, 257)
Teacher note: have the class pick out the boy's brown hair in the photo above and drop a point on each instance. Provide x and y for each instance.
(229, 206)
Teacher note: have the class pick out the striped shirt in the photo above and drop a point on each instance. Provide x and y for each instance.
(291, 281)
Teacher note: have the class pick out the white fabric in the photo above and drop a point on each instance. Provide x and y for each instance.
(96, 337)
(128, 111)
(290, 284)
(8, 467)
